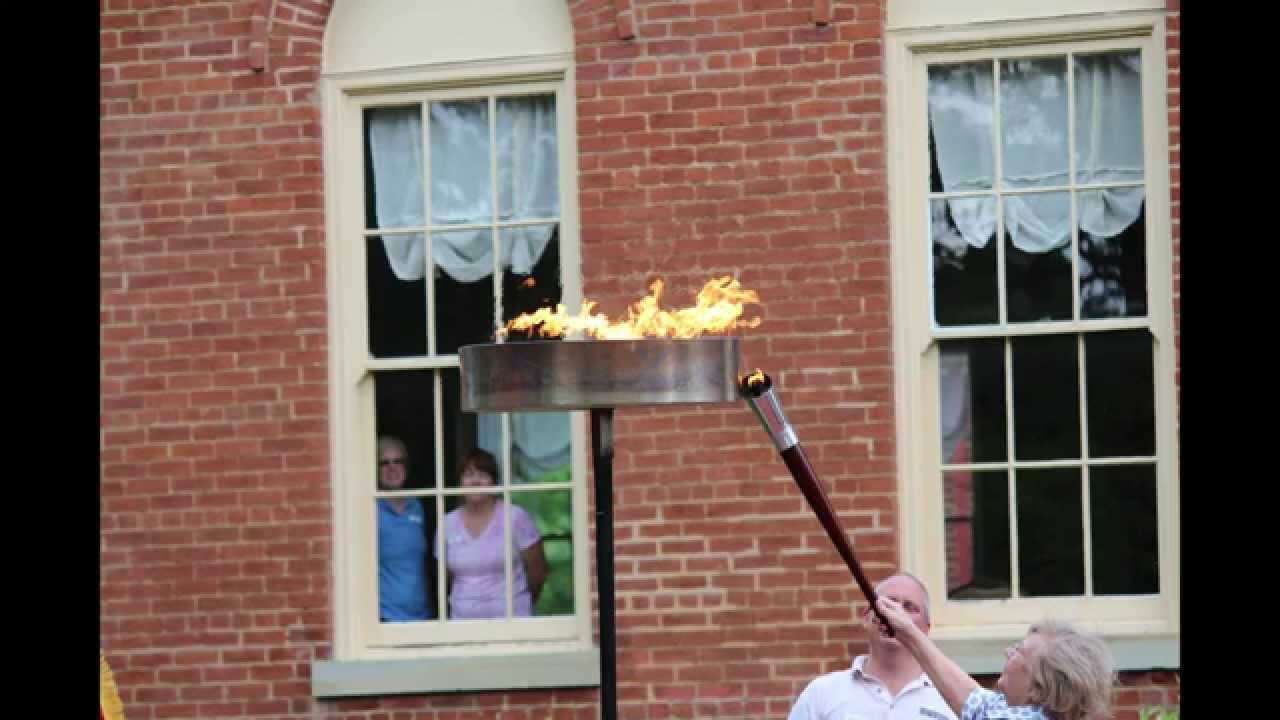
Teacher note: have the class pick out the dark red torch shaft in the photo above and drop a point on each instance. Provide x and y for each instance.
(804, 476)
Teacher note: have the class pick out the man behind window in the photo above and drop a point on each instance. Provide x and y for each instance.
(888, 683)
(402, 541)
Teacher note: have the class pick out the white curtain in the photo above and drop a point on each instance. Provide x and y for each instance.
(1033, 100)
(956, 420)
(540, 442)
(527, 182)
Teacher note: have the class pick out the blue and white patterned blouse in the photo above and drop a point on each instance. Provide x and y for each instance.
(984, 704)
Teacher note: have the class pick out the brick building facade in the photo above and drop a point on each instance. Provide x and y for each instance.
(743, 137)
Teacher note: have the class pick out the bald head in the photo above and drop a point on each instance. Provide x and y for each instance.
(901, 577)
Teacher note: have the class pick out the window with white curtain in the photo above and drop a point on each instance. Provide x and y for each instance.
(1036, 333)
(452, 224)
(450, 173)
(462, 214)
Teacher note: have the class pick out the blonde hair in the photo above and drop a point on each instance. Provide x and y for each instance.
(1073, 674)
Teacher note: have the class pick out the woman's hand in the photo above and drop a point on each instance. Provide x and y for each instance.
(898, 618)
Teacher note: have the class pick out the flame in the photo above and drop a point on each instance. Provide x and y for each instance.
(719, 305)
(754, 379)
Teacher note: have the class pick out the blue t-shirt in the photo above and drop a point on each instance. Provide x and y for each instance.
(983, 704)
(402, 554)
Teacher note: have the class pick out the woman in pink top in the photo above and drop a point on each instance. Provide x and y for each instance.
(474, 553)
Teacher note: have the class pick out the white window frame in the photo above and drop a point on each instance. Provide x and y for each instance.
(1142, 630)
(370, 657)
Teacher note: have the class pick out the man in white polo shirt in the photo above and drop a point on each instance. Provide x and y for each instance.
(888, 684)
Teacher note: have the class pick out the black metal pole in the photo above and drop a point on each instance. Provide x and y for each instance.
(602, 463)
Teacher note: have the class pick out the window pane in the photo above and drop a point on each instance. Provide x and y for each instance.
(1122, 508)
(1108, 100)
(1033, 117)
(406, 573)
(531, 272)
(463, 310)
(1038, 256)
(961, 103)
(971, 379)
(540, 444)
(1113, 253)
(474, 556)
(459, 430)
(1121, 388)
(1050, 532)
(528, 181)
(393, 167)
(977, 534)
(397, 289)
(460, 187)
(965, 288)
(405, 405)
(1046, 398)
(540, 447)
(552, 514)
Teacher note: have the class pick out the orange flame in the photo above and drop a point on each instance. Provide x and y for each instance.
(719, 305)
(754, 379)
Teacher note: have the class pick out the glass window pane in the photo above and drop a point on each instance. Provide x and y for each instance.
(528, 182)
(459, 429)
(1121, 393)
(1108, 101)
(1123, 523)
(1033, 118)
(961, 104)
(460, 187)
(1113, 253)
(531, 272)
(965, 287)
(464, 292)
(971, 380)
(1038, 256)
(977, 534)
(393, 167)
(552, 515)
(1050, 532)
(540, 447)
(397, 289)
(474, 555)
(406, 573)
(1046, 398)
(405, 406)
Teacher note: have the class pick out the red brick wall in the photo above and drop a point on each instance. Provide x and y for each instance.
(730, 136)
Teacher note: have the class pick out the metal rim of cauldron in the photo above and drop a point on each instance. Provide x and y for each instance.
(549, 375)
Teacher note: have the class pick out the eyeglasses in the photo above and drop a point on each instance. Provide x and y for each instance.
(391, 461)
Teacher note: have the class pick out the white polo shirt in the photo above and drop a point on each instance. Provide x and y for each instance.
(854, 695)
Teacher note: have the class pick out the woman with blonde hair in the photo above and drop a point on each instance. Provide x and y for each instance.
(1056, 672)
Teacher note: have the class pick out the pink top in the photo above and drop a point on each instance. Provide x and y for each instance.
(476, 565)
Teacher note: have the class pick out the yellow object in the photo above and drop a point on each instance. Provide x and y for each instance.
(108, 697)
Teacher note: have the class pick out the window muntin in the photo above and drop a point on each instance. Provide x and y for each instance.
(1044, 347)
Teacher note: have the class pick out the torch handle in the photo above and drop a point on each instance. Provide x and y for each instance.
(805, 477)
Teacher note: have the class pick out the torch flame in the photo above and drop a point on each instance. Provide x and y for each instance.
(755, 384)
(719, 305)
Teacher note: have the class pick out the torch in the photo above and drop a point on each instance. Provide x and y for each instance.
(757, 390)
